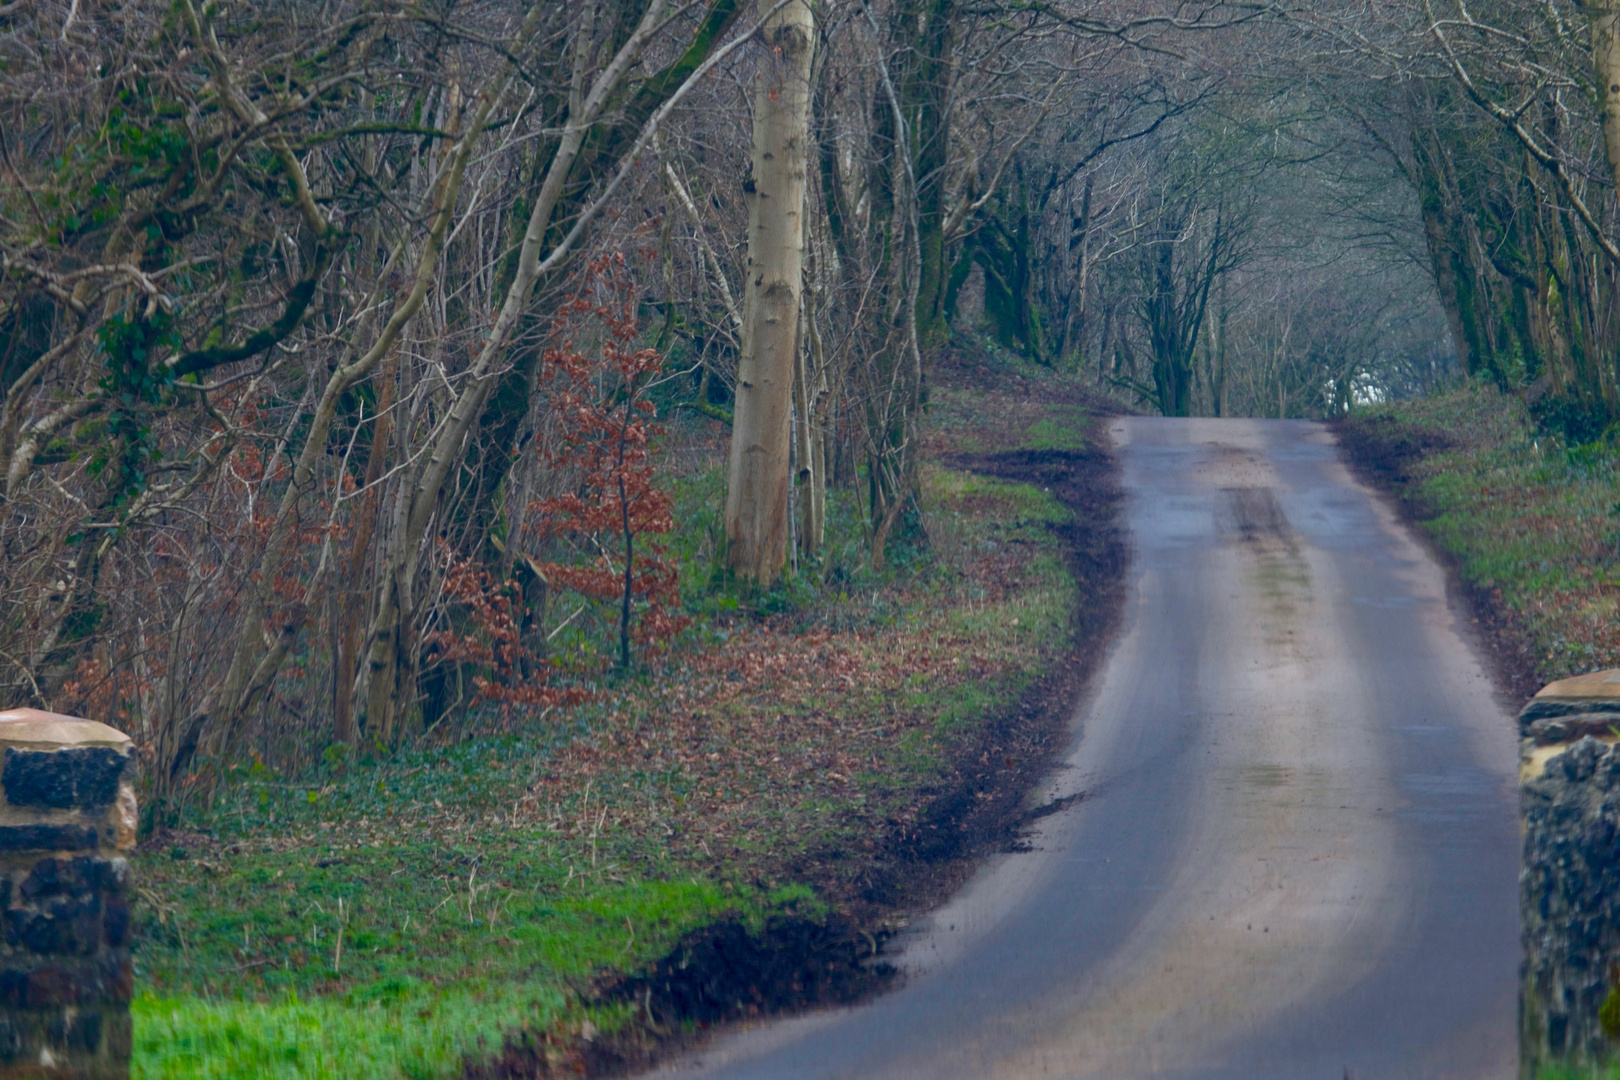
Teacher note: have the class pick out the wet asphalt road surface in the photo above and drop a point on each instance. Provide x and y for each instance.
(1295, 854)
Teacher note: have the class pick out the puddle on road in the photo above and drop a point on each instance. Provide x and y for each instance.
(1426, 731)
(1451, 785)
(1387, 603)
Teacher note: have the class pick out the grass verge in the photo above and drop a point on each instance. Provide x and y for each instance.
(1530, 524)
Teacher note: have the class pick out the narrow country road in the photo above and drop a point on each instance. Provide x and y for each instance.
(1295, 855)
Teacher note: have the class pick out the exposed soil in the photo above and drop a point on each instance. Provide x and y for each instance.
(729, 969)
(724, 973)
(1382, 455)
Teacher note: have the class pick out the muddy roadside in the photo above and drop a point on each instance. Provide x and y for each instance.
(729, 973)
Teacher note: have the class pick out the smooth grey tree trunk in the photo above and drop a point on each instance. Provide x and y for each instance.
(1606, 73)
(758, 475)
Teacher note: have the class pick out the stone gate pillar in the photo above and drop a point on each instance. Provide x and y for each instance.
(1569, 881)
(67, 822)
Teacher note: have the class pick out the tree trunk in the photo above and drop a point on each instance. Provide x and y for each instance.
(809, 467)
(1218, 332)
(821, 396)
(352, 600)
(757, 492)
(926, 31)
(1606, 74)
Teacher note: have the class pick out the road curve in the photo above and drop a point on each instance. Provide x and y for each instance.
(1295, 855)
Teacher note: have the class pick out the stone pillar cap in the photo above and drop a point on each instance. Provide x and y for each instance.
(1596, 684)
(38, 728)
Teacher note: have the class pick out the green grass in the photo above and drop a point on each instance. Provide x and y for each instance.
(403, 1021)
(1065, 431)
(433, 966)
(414, 1035)
(1529, 519)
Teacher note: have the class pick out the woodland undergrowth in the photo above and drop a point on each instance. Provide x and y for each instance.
(399, 916)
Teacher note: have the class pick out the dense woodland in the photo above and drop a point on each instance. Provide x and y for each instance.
(342, 342)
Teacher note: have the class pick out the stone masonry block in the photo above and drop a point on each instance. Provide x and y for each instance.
(78, 777)
(47, 838)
